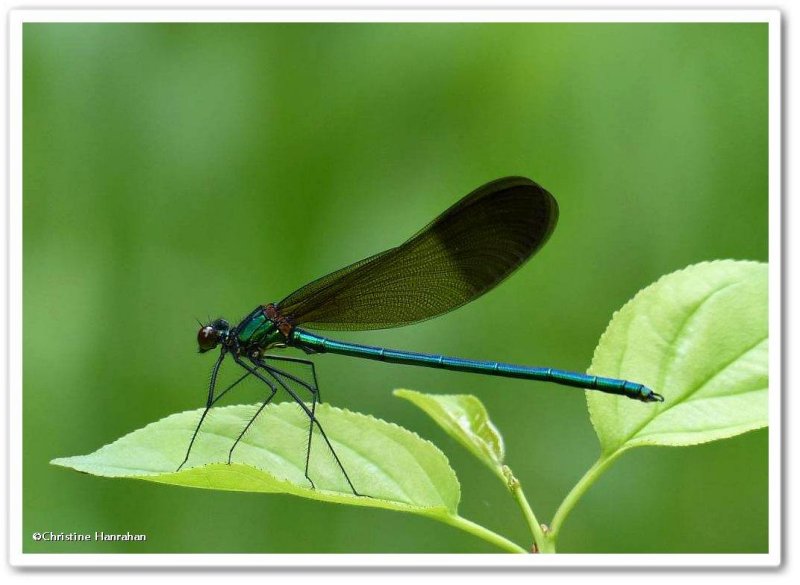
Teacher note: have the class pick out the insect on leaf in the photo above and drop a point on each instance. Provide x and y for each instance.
(395, 467)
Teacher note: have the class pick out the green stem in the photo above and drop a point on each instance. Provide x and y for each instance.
(484, 533)
(577, 492)
(539, 539)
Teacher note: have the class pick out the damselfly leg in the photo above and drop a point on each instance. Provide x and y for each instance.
(209, 403)
(281, 377)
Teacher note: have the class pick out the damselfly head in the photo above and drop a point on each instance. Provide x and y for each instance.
(212, 334)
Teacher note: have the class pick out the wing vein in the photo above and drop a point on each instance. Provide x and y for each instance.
(463, 253)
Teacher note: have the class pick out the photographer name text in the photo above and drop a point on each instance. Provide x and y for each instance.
(87, 537)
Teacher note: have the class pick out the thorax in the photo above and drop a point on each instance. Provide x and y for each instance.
(257, 332)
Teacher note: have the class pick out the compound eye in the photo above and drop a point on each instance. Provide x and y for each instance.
(207, 338)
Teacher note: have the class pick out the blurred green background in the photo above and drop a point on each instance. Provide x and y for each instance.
(174, 172)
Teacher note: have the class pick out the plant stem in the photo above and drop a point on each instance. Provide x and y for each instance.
(539, 539)
(577, 492)
(484, 533)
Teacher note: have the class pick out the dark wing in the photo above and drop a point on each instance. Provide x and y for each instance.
(463, 253)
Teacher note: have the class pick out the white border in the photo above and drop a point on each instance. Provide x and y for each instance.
(396, 15)
(17, 558)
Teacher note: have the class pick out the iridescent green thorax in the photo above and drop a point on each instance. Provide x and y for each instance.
(257, 331)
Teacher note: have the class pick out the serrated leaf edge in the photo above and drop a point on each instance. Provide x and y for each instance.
(60, 461)
(631, 443)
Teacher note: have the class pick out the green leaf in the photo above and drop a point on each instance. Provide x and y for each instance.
(395, 467)
(464, 418)
(698, 336)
